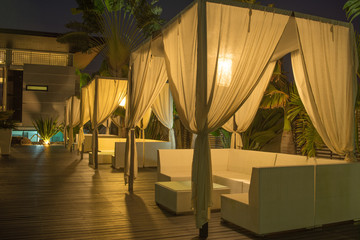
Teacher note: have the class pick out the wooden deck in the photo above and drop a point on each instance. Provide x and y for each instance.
(48, 193)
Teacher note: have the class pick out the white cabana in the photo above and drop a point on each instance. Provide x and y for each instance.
(100, 99)
(163, 109)
(84, 116)
(147, 78)
(72, 118)
(217, 52)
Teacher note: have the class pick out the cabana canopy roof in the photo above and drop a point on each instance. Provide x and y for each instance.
(219, 54)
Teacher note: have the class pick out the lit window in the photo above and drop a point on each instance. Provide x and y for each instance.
(43, 58)
(36, 88)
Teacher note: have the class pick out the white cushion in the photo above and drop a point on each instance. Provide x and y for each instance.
(290, 160)
(219, 159)
(242, 161)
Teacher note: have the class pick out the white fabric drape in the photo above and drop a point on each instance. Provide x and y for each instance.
(246, 113)
(147, 78)
(105, 95)
(324, 71)
(144, 122)
(84, 115)
(110, 93)
(107, 125)
(163, 109)
(240, 43)
(72, 117)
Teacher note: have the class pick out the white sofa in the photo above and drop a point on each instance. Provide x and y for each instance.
(106, 142)
(286, 198)
(231, 167)
(106, 146)
(272, 192)
(279, 199)
(146, 152)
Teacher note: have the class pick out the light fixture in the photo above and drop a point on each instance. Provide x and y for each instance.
(224, 71)
(46, 142)
(123, 102)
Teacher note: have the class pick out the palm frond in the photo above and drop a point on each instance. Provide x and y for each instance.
(274, 98)
(306, 135)
(266, 125)
(352, 9)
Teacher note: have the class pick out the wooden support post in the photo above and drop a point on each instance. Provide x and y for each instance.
(132, 135)
(201, 89)
(132, 153)
(95, 147)
(65, 131)
(204, 231)
(71, 129)
(82, 152)
(4, 93)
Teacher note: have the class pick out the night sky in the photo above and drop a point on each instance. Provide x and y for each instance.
(52, 15)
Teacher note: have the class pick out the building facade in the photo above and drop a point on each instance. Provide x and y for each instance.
(37, 75)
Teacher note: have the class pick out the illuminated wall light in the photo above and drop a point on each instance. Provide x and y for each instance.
(224, 71)
(123, 102)
(36, 88)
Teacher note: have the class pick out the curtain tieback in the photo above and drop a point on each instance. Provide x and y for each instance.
(250, 13)
(350, 157)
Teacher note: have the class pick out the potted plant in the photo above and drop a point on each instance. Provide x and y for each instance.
(6, 126)
(46, 128)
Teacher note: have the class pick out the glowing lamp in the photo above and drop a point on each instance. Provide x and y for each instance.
(224, 71)
(46, 142)
(123, 102)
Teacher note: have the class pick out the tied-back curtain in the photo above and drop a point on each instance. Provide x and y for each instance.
(110, 92)
(240, 43)
(84, 115)
(148, 76)
(325, 76)
(73, 117)
(116, 120)
(66, 120)
(163, 109)
(144, 122)
(243, 117)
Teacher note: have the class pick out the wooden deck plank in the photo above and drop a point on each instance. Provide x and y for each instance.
(49, 193)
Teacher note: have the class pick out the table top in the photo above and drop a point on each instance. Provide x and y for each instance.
(185, 185)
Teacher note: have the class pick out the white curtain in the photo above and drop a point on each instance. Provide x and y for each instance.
(240, 43)
(84, 114)
(105, 95)
(72, 117)
(242, 119)
(144, 122)
(163, 109)
(110, 92)
(324, 71)
(147, 78)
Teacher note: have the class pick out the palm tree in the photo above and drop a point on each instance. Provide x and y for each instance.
(277, 96)
(352, 9)
(306, 135)
(266, 125)
(113, 28)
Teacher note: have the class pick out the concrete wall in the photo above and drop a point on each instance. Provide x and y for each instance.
(62, 83)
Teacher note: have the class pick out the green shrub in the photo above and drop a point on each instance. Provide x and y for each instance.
(46, 128)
